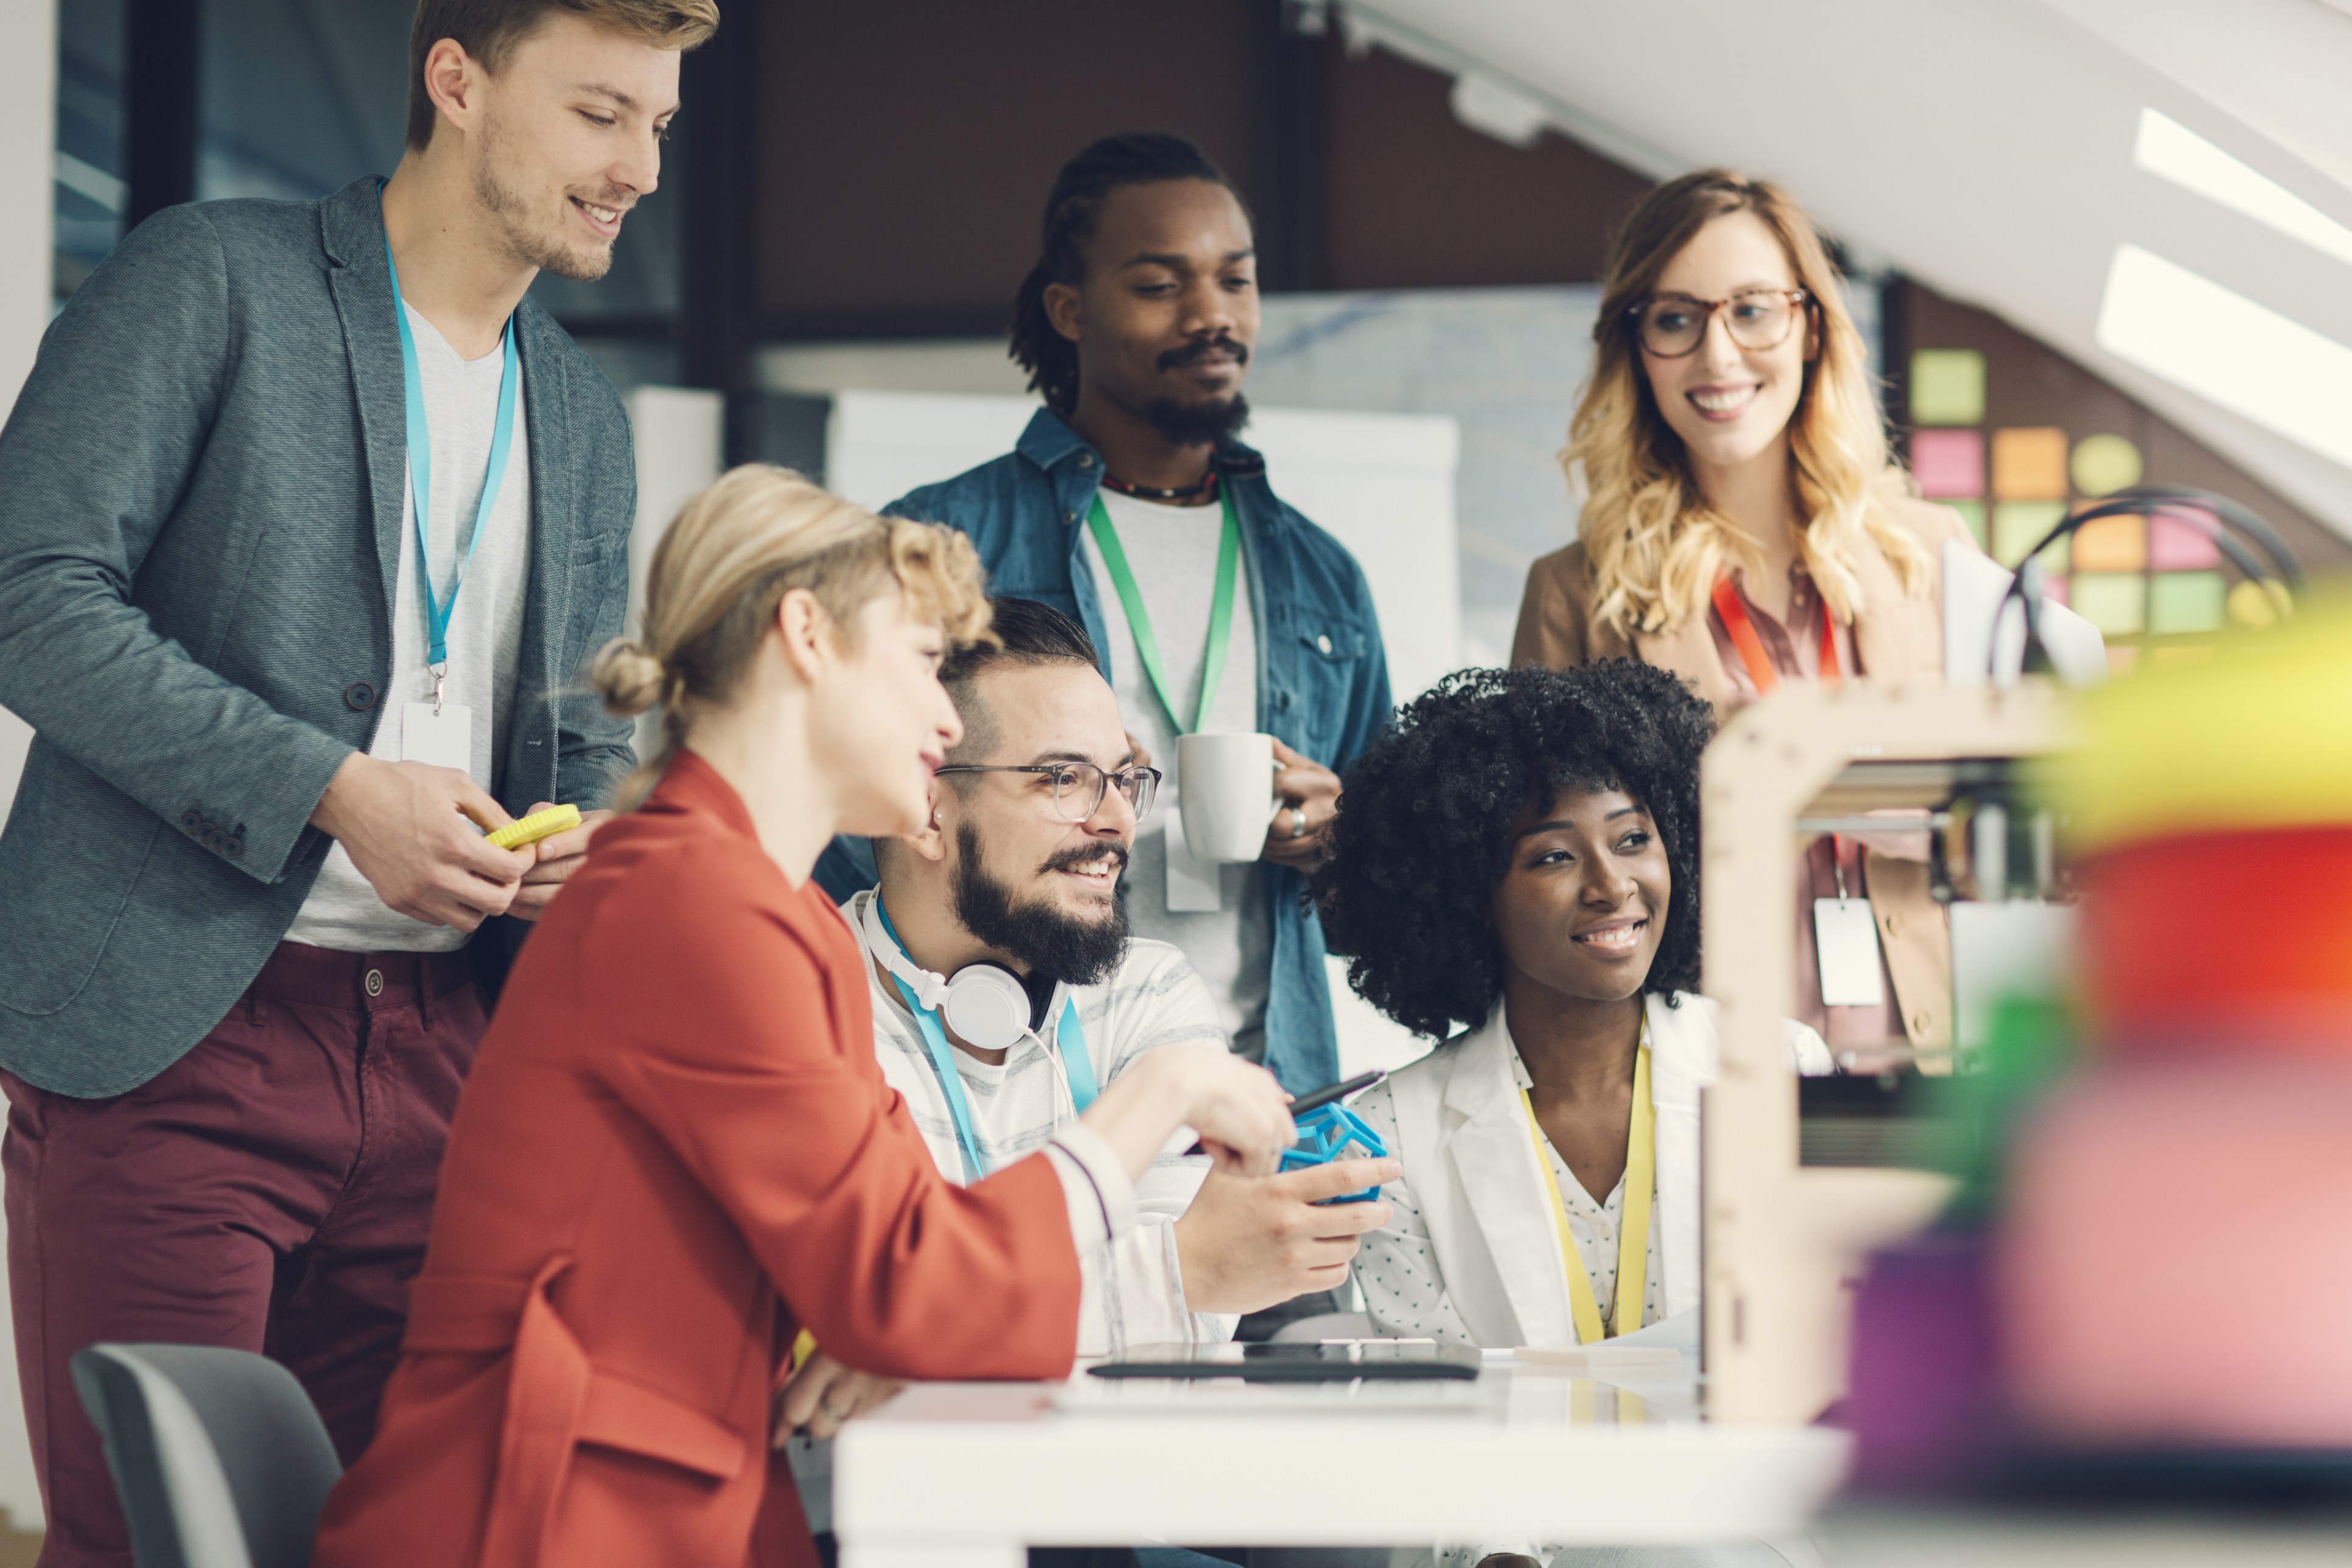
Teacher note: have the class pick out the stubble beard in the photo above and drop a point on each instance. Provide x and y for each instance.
(544, 251)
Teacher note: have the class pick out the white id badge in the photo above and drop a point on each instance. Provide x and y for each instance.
(444, 740)
(1193, 886)
(1845, 939)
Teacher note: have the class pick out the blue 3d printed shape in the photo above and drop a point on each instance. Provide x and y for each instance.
(1332, 1133)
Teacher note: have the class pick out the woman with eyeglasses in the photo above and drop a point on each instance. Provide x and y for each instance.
(677, 1151)
(1743, 526)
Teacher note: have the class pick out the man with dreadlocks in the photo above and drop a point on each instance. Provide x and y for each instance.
(1128, 505)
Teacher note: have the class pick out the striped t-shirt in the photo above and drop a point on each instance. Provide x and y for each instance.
(1153, 1000)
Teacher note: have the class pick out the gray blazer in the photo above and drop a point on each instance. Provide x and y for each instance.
(200, 512)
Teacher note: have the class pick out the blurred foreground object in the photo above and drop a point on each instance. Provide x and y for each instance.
(2144, 1286)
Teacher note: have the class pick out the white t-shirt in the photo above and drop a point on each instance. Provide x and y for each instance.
(461, 403)
(1173, 550)
(1152, 1000)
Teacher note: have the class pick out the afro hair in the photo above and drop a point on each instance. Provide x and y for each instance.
(1420, 839)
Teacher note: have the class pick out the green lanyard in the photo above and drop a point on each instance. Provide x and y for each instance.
(1139, 619)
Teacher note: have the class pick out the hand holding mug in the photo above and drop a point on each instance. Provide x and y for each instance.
(1312, 791)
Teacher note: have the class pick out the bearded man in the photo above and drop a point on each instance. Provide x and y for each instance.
(308, 521)
(1007, 989)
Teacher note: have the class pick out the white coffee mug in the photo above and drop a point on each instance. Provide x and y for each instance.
(1225, 786)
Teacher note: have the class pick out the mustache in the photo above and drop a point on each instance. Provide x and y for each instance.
(1084, 854)
(1206, 348)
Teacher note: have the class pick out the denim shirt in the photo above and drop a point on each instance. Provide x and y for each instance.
(1322, 673)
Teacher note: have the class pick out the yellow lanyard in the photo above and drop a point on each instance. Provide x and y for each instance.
(1633, 1236)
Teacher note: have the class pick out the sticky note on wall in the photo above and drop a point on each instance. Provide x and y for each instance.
(2174, 545)
(2105, 463)
(1947, 388)
(2114, 602)
(1948, 464)
(2187, 602)
(2111, 544)
(2018, 526)
(2029, 464)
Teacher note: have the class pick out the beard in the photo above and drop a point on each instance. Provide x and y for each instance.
(1058, 946)
(582, 264)
(1184, 424)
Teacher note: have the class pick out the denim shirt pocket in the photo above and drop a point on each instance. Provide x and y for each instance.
(1325, 653)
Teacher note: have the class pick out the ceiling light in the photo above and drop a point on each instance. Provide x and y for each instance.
(2170, 149)
(2219, 344)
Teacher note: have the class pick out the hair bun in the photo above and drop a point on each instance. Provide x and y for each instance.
(627, 678)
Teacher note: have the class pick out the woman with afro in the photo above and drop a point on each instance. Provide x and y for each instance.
(1519, 857)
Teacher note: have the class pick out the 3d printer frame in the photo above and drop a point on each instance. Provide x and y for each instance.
(1785, 1244)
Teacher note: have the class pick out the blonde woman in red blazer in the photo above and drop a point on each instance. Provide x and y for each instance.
(677, 1151)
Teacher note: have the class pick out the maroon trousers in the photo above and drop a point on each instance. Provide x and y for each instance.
(271, 1190)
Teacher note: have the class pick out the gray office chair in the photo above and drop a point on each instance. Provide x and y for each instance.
(219, 1458)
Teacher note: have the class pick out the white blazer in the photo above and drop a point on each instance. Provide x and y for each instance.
(1454, 1119)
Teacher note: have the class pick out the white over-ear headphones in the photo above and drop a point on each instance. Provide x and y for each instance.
(984, 1003)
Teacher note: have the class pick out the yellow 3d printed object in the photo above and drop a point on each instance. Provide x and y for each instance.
(539, 824)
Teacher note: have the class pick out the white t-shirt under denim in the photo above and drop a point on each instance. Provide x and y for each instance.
(1172, 552)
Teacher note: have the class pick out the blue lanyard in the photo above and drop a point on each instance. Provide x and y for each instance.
(420, 473)
(1068, 1036)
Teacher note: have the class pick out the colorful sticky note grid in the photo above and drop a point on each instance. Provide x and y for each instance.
(1948, 464)
(2114, 602)
(2102, 464)
(1947, 388)
(2029, 464)
(2018, 525)
(2177, 546)
(2187, 602)
(1972, 513)
(2111, 544)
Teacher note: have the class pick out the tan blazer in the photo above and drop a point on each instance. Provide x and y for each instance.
(1897, 636)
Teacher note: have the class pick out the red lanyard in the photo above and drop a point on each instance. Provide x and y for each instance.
(1727, 604)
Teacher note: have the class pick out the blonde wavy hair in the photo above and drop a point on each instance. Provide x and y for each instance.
(732, 554)
(1655, 546)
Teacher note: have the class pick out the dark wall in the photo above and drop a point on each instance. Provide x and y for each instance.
(1415, 199)
(901, 150)
(900, 153)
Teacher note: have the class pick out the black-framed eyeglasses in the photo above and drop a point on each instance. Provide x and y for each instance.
(1079, 788)
(1672, 325)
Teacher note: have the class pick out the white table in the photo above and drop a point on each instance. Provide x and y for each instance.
(968, 1475)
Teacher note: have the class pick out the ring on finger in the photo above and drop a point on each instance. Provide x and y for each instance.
(1299, 822)
(835, 1416)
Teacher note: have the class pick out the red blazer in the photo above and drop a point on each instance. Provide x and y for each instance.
(675, 1150)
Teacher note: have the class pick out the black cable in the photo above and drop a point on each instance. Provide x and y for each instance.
(2201, 510)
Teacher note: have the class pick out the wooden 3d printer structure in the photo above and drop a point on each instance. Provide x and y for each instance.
(1785, 1242)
